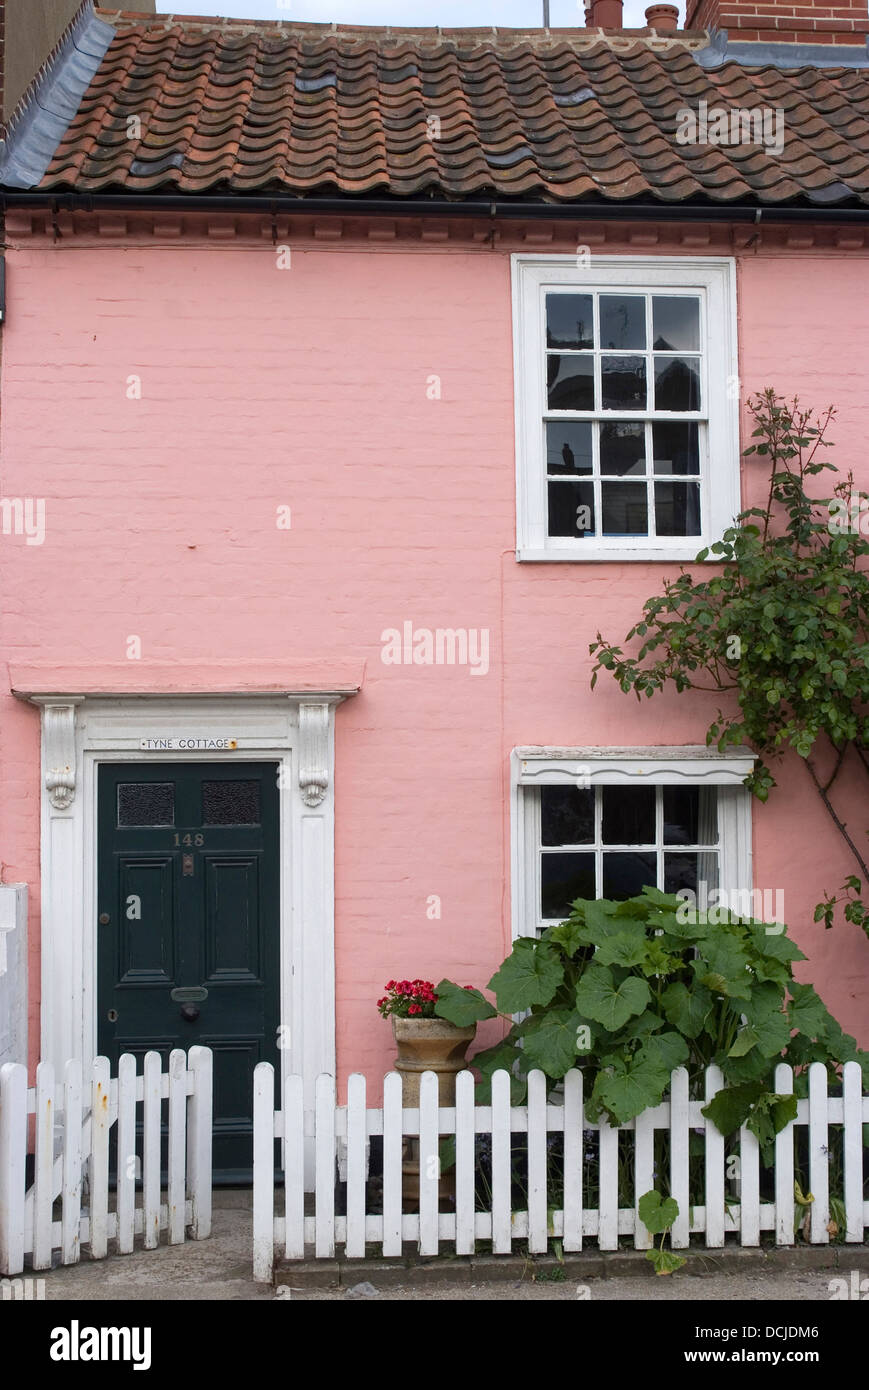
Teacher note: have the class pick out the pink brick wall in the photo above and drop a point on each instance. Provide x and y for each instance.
(307, 388)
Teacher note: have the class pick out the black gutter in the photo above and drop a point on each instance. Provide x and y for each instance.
(424, 207)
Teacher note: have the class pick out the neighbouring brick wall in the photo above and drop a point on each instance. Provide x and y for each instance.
(776, 21)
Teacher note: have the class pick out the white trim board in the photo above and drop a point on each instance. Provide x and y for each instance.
(714, 279)
(79, 733)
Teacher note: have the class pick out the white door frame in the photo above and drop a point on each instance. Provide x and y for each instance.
(297, 732)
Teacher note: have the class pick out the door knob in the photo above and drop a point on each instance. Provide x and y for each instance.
(189, 1012)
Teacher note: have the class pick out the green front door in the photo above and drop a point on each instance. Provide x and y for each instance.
(188, 929)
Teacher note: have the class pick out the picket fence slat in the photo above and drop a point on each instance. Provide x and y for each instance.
(72, 1168)
(784, 1165)
(714, 1168)
(501, 1178)
(73, 1119)
(294, 1160)
(733, 1204)
(465, 1163)
(574, 1156)
(264, 1222)
(853, 1151)
(355, 1242)
(128, 1159)
(819, 1168)
(392, 1141)
(679, 1155)
(324, 1162)
(13, 1160)
(43, 1166)
(177, 1144)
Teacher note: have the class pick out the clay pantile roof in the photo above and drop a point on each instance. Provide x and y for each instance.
(555, 116)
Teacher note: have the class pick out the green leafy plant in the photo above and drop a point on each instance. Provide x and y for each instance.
(782, 628)
(631, 990)
(658, 1215)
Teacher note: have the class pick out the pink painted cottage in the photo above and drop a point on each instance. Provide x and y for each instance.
(352, 379)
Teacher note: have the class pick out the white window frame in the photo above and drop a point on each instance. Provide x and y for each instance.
(534, 767)
(715, 280)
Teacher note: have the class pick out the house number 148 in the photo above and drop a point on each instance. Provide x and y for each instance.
(188, 839)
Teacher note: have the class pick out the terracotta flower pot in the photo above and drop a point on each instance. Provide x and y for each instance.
(427, 1044)
(430, 1044)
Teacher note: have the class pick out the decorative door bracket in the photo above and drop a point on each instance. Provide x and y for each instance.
(313, 752)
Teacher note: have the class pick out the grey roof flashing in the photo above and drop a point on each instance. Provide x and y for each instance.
(779, 55)
(44, 113)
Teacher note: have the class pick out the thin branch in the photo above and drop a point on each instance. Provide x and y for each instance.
(822, 792)
(834, 774)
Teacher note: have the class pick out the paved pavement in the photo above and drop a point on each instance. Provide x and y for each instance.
(220, 1269)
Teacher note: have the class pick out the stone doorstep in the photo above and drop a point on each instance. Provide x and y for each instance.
(593, 1264)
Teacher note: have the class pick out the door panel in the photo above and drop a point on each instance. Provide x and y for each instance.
(189, 899)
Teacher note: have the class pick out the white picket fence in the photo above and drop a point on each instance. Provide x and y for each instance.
(347, 1129)
(71, 1132)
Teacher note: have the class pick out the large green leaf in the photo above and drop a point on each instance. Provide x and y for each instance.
(462, 1006)
(530, 975)
(665, 1050)
(552, 1045)
(627, 947)
(571, 935)
(807, 1012)
(628, 1089)
(687, 1009)
(730, 1108)
(656, 1213)
(769, 942)
(598, 997)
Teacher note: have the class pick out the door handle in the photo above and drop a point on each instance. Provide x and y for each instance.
(189, 1012)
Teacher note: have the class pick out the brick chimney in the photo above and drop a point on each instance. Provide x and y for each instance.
(603, 14)
(782, 21)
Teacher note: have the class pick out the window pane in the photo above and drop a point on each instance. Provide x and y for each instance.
(690, 871)
(677, 509)
(570, 321)
(568, 446)
(567, 815)
(571, 382)
(677, 383)
(146, 803)
(625, 875)
(571, 508)
(624, 509)
(676, 446)
(231, 803)
(628, 815)
(564, 877)
(623, 383)
(623, 447)
(690, 816)
(623, 321)
(676, 323)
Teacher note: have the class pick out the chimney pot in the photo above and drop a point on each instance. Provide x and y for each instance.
(664, 18)
(604, 14)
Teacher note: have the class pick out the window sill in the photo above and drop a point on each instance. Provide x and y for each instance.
(685, 554)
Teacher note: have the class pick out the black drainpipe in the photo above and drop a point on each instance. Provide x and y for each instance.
(425, 207)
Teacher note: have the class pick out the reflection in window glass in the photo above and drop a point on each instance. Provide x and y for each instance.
(570, 321)
(569, 446)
